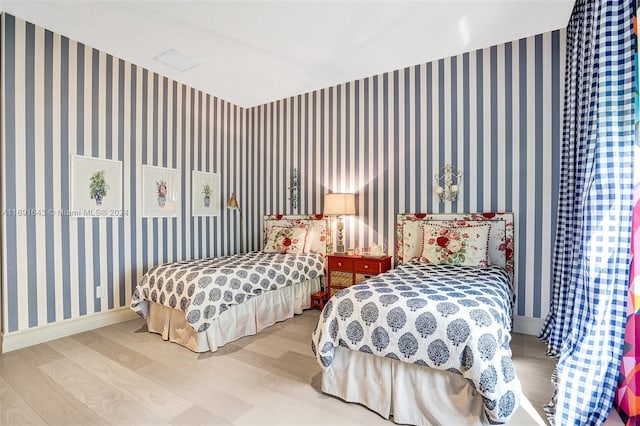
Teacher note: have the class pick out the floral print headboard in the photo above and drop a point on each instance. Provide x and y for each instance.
(409, 234)
(319, 229)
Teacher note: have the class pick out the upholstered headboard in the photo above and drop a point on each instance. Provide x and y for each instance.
(319, 234)
(409, 237)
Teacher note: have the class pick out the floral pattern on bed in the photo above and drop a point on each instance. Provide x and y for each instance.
(318, 235)
(453, 318)
(205, 288)
(409, 234)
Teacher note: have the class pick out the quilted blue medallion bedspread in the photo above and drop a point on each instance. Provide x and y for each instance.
(453, 318)
(206, 288)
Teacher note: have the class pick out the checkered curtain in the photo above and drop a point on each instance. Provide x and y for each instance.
(585, 326)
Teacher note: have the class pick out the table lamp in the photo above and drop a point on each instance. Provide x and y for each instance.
(339, 204)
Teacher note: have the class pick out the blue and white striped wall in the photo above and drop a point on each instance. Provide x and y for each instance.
(494, 113)
(61, 98)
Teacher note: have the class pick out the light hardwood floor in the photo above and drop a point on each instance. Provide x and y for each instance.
(123, 375)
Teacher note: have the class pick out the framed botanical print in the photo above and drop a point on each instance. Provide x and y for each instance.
(95, 187)
(205, 194)
(160, 191)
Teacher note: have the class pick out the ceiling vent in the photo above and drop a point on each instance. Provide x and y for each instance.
(176, 60)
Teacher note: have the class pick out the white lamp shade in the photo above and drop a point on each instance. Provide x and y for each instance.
(338, 203)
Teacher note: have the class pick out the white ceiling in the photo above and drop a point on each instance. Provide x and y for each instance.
(253, 52)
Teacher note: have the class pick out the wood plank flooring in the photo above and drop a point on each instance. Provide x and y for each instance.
(121, 374)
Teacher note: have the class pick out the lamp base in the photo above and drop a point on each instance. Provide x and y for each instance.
(340, 246)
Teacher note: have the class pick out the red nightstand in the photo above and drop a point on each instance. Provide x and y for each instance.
(344, 270)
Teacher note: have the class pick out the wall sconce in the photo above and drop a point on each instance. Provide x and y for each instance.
(447, 183)
(294, 189)
(234, 205)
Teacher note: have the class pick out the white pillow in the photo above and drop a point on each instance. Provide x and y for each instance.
(316, 238)
(412, 240)
(463, 245)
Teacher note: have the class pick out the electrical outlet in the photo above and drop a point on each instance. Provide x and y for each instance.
(101, 291)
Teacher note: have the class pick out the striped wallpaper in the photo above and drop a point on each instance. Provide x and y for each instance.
(61, 98)
(494, 113)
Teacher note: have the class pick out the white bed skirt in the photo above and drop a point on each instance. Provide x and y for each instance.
(238, 321)
(411, 393)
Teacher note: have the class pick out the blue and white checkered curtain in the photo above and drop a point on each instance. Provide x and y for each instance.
(585, 326)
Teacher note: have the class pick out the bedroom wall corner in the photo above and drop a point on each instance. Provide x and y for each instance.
(2, 222)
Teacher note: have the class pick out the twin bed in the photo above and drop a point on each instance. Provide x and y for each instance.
(439, 333)
(204, 304)
(427, 342)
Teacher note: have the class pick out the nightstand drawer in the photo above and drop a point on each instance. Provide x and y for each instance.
(340, 264)
(366, 266)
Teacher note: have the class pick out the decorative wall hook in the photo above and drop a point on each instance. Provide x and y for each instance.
(447, 183)
(294, 189)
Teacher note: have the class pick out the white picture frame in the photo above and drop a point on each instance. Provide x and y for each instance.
(95, 187)
(160, 191)
(205, 193)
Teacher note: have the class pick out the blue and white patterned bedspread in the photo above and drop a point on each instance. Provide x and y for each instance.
(205, 288)
(454, 318)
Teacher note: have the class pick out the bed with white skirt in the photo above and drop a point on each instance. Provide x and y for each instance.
(428, 342)
(205, 303)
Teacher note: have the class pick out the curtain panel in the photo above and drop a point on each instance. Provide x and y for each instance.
(585, 325)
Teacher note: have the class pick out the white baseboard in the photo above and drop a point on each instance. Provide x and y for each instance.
(33, 336)
(527, 325)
